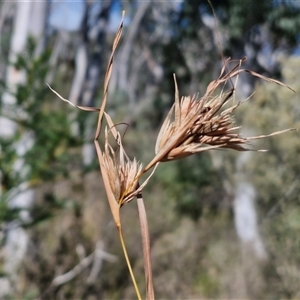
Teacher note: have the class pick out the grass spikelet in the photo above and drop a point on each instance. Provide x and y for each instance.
(123, 173)
(199, 124)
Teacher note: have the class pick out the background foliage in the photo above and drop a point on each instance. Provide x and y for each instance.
(195, 250)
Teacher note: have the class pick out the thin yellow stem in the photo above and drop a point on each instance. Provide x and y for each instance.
(128, 264)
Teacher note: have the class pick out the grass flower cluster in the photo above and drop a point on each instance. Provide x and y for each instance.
(194, 124)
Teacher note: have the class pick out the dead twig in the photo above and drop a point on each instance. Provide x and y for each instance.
(84, 263)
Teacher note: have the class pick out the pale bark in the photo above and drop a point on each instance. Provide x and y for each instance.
(241, 190)
(128, 45)
(88, 68)
(29, 19)
(245, 219)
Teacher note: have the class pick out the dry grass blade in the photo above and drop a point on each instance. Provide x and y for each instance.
(110, 195)
(146, 247)
(85, 108)
(271, 134)
(177, 103)
(109, 192)
(107, 77)
(267, 79)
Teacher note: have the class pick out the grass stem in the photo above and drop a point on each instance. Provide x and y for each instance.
(128, 264)
(146, 247)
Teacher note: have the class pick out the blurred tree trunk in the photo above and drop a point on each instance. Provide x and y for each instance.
(90, 61)
(127, 50)
(29, 19)
(245, 215)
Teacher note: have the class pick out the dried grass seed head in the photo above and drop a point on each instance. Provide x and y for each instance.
(198, 124)
(123, 173)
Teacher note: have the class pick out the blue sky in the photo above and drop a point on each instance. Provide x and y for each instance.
(68, 15)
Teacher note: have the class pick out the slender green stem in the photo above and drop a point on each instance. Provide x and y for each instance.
(128, 264)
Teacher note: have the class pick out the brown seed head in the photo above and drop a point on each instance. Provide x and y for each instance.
(123, 173)
(197, 124)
